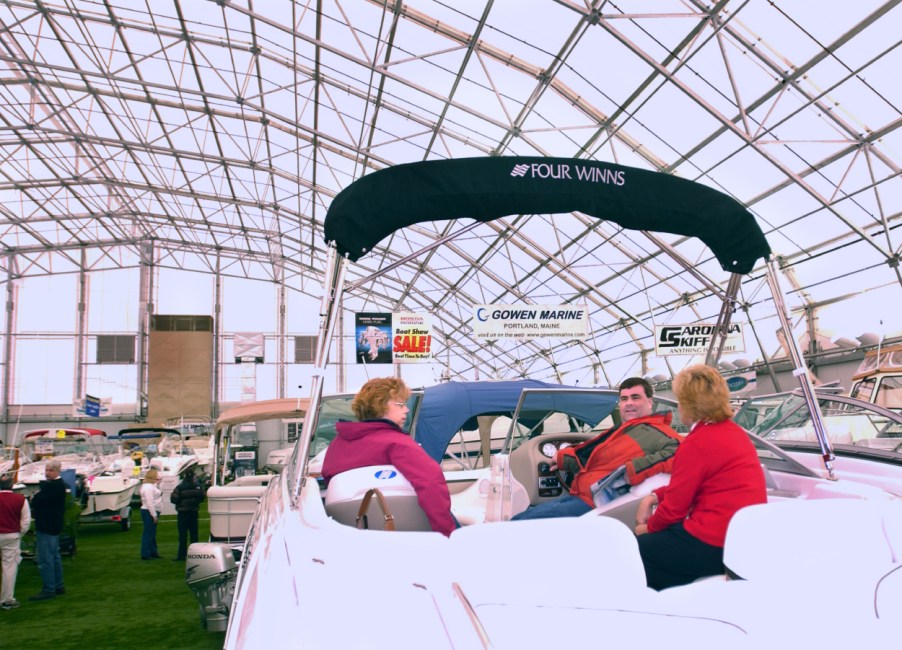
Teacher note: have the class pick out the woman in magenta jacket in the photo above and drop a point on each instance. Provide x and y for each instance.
(378, 439)
(716, 472)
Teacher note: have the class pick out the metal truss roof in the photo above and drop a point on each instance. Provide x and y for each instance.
(213, 136)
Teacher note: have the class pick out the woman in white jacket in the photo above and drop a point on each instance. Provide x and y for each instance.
(151, 507)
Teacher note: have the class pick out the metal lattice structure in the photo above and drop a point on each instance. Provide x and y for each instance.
(213, 136)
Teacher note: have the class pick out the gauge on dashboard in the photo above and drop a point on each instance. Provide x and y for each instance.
(549, 450)
(564, 445)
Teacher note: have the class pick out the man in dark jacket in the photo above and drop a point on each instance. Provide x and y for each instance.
(48, 506)
(187, 496)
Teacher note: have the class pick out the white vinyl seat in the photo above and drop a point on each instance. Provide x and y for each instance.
(347, 491)
(801, 538)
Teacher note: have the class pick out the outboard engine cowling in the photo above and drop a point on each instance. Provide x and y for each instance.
(210, 572)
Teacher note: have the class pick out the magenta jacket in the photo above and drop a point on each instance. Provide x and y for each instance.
(381, 442)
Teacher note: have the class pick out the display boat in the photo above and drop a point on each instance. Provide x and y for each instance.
(819, 563)
(87, 452)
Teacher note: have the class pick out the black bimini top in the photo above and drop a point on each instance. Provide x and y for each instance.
(485, 189)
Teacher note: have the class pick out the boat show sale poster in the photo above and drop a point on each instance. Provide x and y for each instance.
(493, 322)
(412, 337)
(373, 335)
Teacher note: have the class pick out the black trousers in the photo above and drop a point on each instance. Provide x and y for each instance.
(187, 525)
(674, 557)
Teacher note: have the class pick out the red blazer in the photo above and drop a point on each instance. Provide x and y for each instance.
(716, 471)
(381, 442)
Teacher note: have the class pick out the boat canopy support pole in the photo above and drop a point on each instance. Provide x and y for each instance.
(800, 371)
(333, 288)
(721, 330)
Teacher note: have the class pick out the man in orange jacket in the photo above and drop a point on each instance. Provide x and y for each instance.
(643, 445)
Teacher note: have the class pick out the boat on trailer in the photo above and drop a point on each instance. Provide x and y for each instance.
(820, 562)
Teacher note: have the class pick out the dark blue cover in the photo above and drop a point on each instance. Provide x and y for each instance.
(447, 408)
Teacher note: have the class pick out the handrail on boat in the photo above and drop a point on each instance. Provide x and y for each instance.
(800, 371)
(333, 289)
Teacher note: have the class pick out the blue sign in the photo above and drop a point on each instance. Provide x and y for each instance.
(92, 406)
(736, 383)
(383, 474)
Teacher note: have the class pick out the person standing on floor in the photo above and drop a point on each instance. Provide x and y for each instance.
(187, 497)
(48, 506)
(15, 518)
(151, 507)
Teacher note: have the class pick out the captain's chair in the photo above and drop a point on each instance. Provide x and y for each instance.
(377, 497)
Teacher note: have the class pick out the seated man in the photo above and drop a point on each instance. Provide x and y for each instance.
(378, 439)
(644, 445)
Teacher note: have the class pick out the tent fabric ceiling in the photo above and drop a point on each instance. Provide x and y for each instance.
(213, 136)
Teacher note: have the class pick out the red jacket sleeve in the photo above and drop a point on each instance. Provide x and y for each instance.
(676, 499)
(428, 480)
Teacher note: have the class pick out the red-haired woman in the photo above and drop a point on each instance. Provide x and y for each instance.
(378, 439)
(716, 472)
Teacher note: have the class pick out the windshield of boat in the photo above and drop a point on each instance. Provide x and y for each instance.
(542, 413)
(586, 412)
(883, 390)
(851, 425)
(45, 447)
(336, 408)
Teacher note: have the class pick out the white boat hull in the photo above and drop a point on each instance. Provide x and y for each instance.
(418, 590)
(108, 494)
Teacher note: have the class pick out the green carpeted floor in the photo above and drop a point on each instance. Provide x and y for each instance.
(113, 598)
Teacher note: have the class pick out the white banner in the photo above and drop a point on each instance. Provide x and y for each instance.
(671, 340)
(530, 321)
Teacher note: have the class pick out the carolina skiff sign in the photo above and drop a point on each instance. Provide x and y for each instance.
(495, 322)
(672, 340)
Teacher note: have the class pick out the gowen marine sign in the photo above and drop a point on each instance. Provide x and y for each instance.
(530, 321)
(671, 340)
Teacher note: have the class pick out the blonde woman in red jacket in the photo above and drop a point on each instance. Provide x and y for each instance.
(716, 472)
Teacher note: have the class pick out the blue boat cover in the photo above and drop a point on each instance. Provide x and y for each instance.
(447, 408)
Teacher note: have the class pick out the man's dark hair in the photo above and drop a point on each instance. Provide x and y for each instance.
(632, 382)
(6, 482)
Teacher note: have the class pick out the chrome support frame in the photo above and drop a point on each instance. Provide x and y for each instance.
(333, 288)
(719, 338)
(800, 371)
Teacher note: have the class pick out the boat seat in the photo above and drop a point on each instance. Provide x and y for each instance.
(346, 492)
(804, 538)
(232, 508)
(609, 575)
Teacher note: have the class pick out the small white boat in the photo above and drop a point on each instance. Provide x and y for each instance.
(108, 497)
(86, 451)
(197, 435)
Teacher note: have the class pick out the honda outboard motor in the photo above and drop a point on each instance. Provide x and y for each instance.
(210, 572)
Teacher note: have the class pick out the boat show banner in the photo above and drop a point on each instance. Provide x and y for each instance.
(673, 340)
(495, 322)
(411, 337)
(402, 337)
